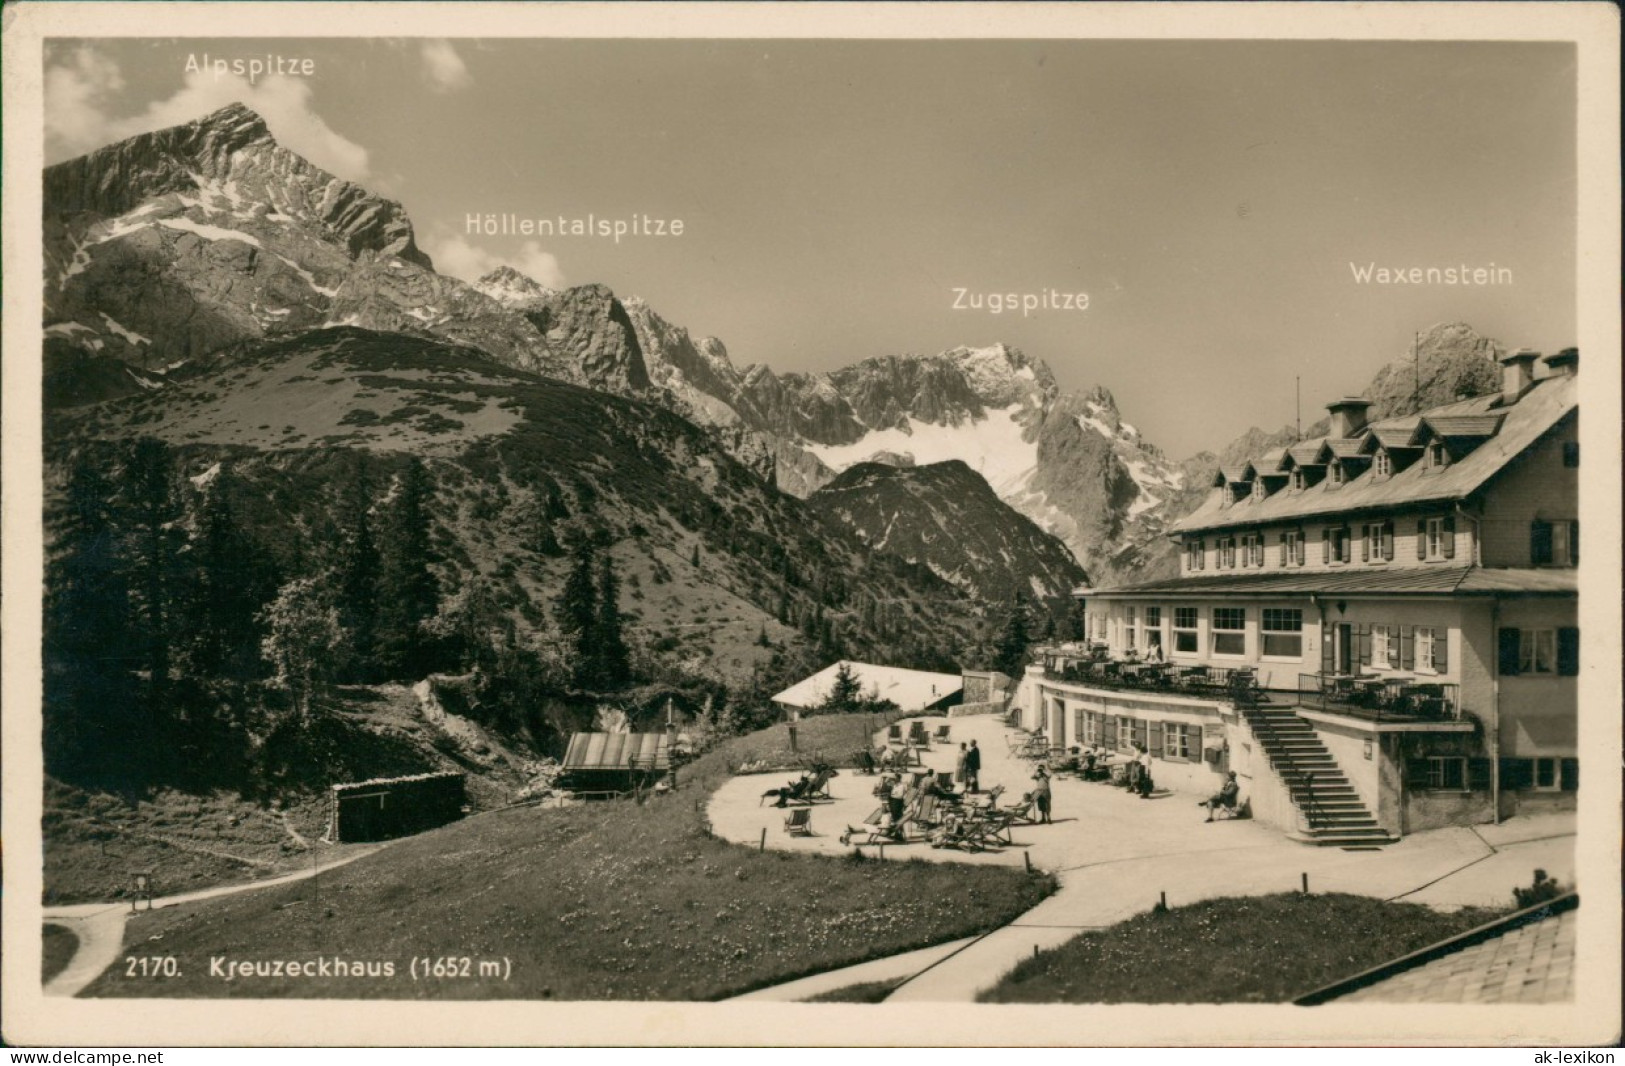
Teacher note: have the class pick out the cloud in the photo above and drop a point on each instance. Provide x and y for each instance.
(444, 67)
(80, 92)
(452, 254)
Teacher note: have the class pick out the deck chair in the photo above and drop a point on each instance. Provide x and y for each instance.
(894, 733)
(918, 736)
(1236, 808)
(941, 735)
(798, 823)
(877, 829)
(964, 832)
(817, 787)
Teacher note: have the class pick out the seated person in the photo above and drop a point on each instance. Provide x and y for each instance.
(866, 761)
(1225, 797)
(1154, 654)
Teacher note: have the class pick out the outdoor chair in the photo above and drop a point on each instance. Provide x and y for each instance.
(816, 788)
(894, 733)
(918, 736)
(1236, 808)
(798, 823)
(941, 736)
(965, 832)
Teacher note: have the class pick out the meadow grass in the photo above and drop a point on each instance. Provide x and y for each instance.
(617, 900)
(1261, 949)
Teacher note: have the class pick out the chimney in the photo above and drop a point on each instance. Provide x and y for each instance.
(1348, 415)
(1517, 374)
(1565, 363)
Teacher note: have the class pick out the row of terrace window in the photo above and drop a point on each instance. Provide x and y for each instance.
(1552, 543)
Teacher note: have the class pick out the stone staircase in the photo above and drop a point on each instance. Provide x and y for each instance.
(1333, 813)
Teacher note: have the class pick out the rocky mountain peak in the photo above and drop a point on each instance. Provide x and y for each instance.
(510, 288)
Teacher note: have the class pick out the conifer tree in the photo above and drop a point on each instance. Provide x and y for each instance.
(359, 574)
(408, 595)
(1010, 655)
(153, 548)
(611, 665)
(230, 583)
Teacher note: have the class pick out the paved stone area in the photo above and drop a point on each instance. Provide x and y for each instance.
(1532, 964)
(1116, 854)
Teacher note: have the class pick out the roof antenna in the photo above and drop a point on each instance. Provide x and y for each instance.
(1297, 406)
(1416, 358)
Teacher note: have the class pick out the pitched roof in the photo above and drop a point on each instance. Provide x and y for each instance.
(1527, 957)
(912, 690)
(1541, 408)
(1393, 436)
(1423, 580)
(1464, 425)
(617, 751)
(1307, 453)
(1345, 447)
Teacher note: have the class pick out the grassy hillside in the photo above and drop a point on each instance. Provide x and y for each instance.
(611, 901)
(1266, 949)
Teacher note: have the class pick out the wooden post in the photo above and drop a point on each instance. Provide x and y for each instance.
(1164, 896)
(1306, 882)
(1028, 859)
(763, 845)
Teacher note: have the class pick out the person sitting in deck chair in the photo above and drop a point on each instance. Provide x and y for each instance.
(1225, 797)
(865, 760)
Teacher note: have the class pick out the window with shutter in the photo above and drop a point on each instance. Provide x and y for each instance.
(1422, 539)
(1574, 543)
(1540, 543)
(1155, 732)
(1450, 538)
(1441, 651)
(1507, 643)
(1388, 541)
(1406, 656)
(1568, 651)
(1517, 774)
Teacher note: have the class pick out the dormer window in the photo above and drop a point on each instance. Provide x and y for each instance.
(1259, 491)
(1383, 465)
(1299, 482)
(1438, 456)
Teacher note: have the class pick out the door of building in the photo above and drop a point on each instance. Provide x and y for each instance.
(1343, 648)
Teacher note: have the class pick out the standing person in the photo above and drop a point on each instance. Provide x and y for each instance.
(1041, 795)
(959, 767)
(896, 802)
(1145, 772)
(973, 769)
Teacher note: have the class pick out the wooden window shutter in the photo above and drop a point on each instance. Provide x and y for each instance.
(1388, 541)
(1325, 544)
(1569, 776)
(1568, 651)
(1258, 551)
(1450, 537)
(1362, 646)
(1574, 543)
(1441, 650)
(1517, 774)
(1540, 543)
(1422, 539)
(1407, 647)
(1507, 646)
(1478, 775)
(1201, 559)
(1327, 661)
(1365, 543)
(1283, 549)
(1156, 743)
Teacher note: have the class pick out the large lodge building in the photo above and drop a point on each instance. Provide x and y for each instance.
(1376, 629)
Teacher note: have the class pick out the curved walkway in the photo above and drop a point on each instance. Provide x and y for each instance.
(1115, 854)
(99, 927)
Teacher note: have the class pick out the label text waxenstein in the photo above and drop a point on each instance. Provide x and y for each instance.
(1460, 274)
(512, 225)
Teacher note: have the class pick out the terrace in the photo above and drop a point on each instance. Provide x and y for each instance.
(1380, 698)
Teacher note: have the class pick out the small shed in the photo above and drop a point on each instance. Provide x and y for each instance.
(914, 691)
(386, 807)
(611, 763)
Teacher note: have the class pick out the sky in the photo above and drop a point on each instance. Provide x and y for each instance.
(1209, 197)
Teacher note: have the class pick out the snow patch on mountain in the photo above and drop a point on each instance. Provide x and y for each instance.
(992, 446)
